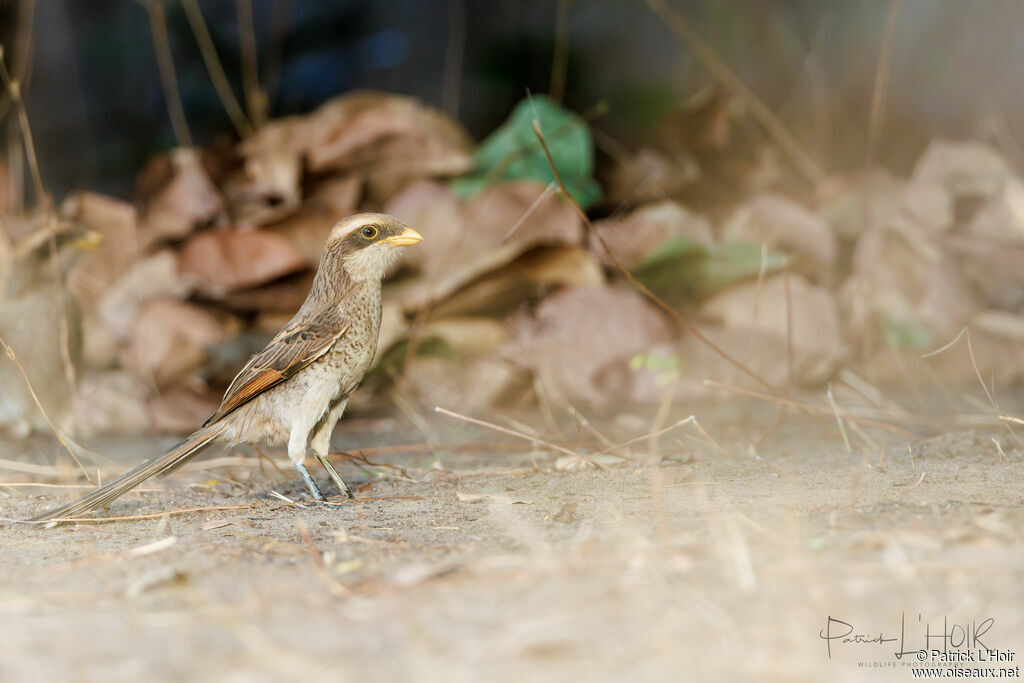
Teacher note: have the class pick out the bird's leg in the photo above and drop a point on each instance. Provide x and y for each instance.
(297, 454)
(321, 443)
(313, 490)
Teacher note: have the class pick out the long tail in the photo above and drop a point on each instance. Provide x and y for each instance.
(172, 459)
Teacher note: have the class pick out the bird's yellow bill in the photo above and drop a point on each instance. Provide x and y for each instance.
(405, 238)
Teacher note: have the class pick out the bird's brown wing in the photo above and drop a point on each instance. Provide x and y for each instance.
(301, 342)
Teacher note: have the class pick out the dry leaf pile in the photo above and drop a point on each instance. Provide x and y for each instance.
(509, 299)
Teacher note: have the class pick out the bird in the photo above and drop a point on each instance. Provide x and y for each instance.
(295, 390)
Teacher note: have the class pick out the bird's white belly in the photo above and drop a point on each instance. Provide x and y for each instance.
(303, 399)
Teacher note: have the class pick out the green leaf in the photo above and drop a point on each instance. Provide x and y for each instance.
(512, 152)
(681, 268)
(905, 333)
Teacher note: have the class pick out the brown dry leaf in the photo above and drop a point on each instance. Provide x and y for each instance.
(650, 175)
(578, 331)
(339, 194)
(228, 260)
(282, 297)
(308, 227)
(6, 259)
(634, 236)
(391, 138)
(528, 278)
(761, 311)
(467, 336)
(393, 327)
(1002, 216)
(462, 242)
(998, 353)
(463, 383)
(904, 287)
(947, 174)
(169, 341)
(117, 222)
(764, 353)
(181, 410)
(111, 403)
(779, 222)
(434, 211)
(99, 342)
(964, 169)
(154, 277)
(270, 184)
(1000, 324)
(6, 203)
(178, 197)
(855, 204)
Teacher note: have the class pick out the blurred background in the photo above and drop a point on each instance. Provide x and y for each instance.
(828, 189)
(754, 361)
(93, 92)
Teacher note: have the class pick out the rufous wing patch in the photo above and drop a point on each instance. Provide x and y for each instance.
(251, 389)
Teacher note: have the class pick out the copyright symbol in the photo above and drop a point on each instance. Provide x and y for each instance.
(921, 655)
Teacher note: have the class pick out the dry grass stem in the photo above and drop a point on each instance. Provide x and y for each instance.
(168, 78)
(789, 326)
(881, 89)
(139, 551)
(813, 408)
(776, 129)
(541, 198)
(13, 89)
(839, 418)
(255, 98)
(537, 441)
(560, 54)
(989, 394)
(152, 515)
(215, 68)
(64, 440)
(453, 56)
(333, 587)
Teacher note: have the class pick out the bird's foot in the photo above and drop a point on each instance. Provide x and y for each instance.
(338, 481)
(310, 484)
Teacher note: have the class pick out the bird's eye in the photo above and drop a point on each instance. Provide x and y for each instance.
(370, 232)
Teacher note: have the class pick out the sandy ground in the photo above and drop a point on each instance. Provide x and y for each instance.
(514, 566)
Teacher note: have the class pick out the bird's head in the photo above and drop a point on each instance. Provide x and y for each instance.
(368, 243)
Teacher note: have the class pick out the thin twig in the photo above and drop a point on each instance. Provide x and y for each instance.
(810, 407)
(882, 73)
(22, 61)
(966, 333)
(333, 586)
(692, 419)
(560, 55)
(64, 440)
(453, 56)
(731, 82)
(255, 98)
(529, 212)
(139, 551)
(168, 79)
(152, 515)
(13, 89)
(789, 325)
(839, 418)
(215, 68)
(505, 430)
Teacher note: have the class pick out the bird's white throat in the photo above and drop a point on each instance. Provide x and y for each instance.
(372, 262)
